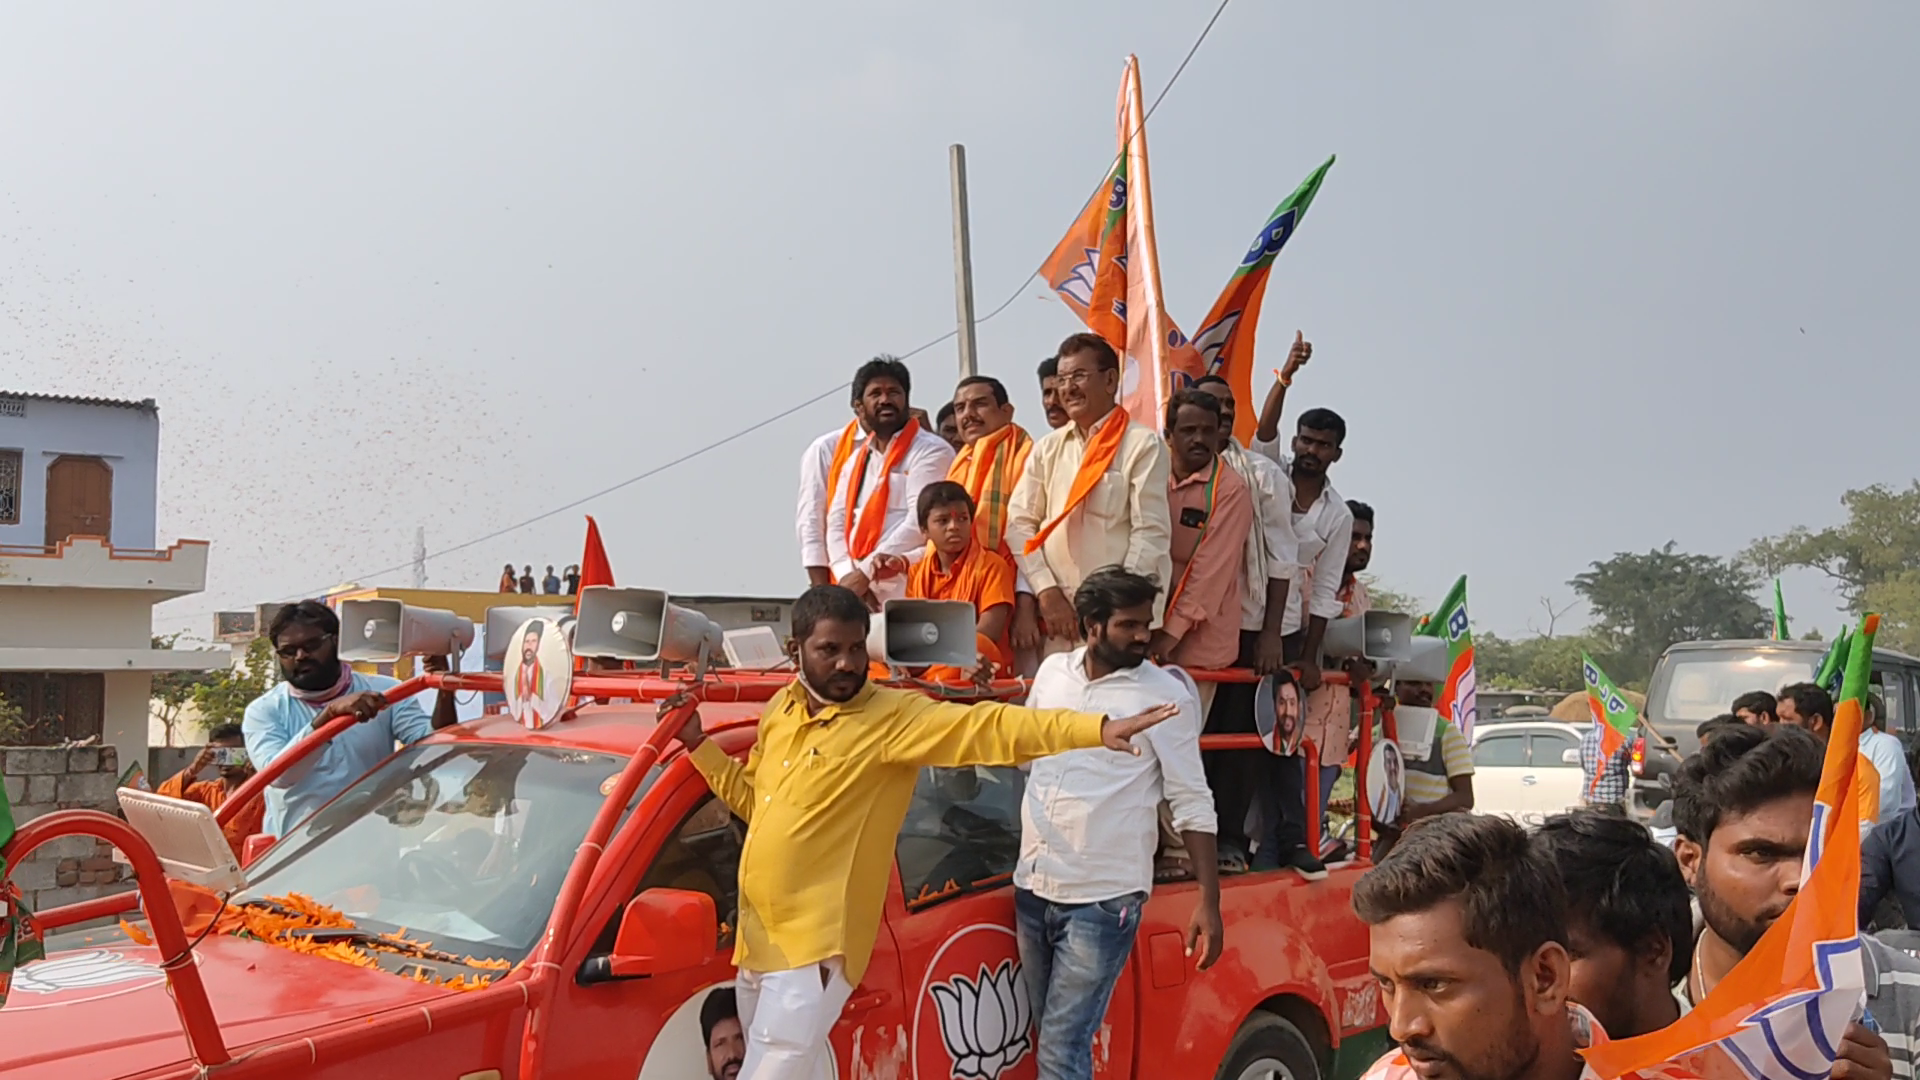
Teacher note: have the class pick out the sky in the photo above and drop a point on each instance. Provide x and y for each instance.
(1585, 278)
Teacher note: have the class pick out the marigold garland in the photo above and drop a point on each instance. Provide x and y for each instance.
(278, 920)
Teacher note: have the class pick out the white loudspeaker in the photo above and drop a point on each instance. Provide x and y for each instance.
(913, 633)
(503, 621)
(640, 624)
(1379, 636)
(1429, 661)
(382, 631)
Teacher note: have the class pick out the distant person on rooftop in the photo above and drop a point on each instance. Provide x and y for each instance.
(551, 583)
(573, 580)
(526, 580)
(509, 581)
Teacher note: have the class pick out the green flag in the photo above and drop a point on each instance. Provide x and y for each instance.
(1457, 702)
(19, 937)
(1611, 710)
(1780, 631)
(1833, 664)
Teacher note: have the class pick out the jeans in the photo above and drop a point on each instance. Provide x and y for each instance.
(1329, 775)
(1072, 955)
(1280, 807)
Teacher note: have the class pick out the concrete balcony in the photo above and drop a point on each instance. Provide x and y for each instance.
(88, 562)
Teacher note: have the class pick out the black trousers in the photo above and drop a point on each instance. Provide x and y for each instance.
(1243, 780)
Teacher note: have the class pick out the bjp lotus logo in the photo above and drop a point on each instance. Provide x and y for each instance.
(986, 1022)
(82, 971)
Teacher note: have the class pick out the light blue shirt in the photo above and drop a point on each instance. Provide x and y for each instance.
(276, 720)
(1896, 783)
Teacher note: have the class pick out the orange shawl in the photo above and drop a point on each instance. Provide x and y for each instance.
(863, 534)
(988, 468)
(1102, 447)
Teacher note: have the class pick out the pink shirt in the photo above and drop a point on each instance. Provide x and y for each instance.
(1209, 566)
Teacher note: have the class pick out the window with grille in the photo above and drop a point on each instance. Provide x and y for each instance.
(57, 706)
(9, 487)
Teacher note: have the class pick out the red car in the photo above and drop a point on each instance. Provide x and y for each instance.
(584, 873)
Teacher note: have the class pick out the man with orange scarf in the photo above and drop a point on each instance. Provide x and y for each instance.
(820, 468)
(1094, 493)
(989, 466)
(873, 511)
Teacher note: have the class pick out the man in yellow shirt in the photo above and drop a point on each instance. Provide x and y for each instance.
(823, 794)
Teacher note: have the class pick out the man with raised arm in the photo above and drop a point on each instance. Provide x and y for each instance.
(823, 793)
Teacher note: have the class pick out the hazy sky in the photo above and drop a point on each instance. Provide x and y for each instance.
(1586, 277)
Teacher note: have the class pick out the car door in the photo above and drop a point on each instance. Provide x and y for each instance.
(1556, 782)
(969, 1013)
(1499, 762)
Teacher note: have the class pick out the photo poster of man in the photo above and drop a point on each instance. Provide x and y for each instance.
(1276, 715)
(703, 1038)
(538, 673)
(1386, 782)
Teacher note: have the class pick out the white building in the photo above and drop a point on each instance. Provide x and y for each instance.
(79, 572)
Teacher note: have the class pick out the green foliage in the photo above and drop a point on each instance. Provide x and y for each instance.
(1643, 603)
(1386, 599)
(1538, 663)
(173, 691)
(13, 723)
(1873, 558)
(224, 696)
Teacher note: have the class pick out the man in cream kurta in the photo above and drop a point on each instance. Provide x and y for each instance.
(1123, 520)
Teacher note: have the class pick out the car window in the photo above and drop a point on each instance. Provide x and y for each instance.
(1550, 746)
(1887, 684)
(1498, 750)
(702, 855)
(962, 832)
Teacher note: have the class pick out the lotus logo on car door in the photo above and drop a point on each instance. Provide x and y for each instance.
(972, 1019)
(985, 1022)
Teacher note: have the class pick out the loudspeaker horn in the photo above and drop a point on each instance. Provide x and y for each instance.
(1384, 637)
(914, 633)
(504, 620)
(382, 631)
(641, 625)
(1429, 662)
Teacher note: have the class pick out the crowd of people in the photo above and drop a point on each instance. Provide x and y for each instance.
(565, 583)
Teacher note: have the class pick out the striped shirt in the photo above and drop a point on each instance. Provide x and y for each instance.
(1428, 781)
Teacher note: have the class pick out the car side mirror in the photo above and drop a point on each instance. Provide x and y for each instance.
(254, 847)
(662, 931)
(1570, 756)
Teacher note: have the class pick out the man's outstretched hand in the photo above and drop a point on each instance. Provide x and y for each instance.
(1118, 734)
(692, 734)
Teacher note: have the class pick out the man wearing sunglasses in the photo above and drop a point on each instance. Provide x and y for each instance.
(320, 686)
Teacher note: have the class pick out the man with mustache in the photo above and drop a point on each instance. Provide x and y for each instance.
(1744, 807)
(874, 510)
(990, 463)
(1050, 405)
(1629, 919)
(320, 686)
(726, 1043)
(1469, 945)
(1094, 493)
(823, 794)
(1090, 821)
(1322, 528)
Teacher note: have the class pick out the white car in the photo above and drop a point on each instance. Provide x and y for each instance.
(1528, 770)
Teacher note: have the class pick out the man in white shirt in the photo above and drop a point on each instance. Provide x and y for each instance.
(1089, 827)
(1119, 517)
(875, 507)
(818, 475)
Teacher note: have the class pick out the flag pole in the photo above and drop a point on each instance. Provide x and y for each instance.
(962, 261)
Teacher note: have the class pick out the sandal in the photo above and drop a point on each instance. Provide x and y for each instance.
(1232, 862)
(1170, 870)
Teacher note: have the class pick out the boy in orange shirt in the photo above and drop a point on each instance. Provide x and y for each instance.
(957, 567)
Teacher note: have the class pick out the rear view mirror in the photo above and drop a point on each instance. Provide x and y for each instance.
(664, 930)
(1570, 756)
(254, 847)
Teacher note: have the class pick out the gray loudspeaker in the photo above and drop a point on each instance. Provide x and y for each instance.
(1428, 661)
(382, 631)
(641, 625)
(503, 621)
(1379, 636)
(915, 633)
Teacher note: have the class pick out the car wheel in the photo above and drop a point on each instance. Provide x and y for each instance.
(1268, 1047)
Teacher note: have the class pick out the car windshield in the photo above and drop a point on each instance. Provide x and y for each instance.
(1700, 685)
(460, 844)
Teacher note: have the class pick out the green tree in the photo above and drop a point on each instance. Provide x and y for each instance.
(223, 697)
(1642, 603)
(1537, 663)
(1386, 599)
(173, 691)
(1873, 558)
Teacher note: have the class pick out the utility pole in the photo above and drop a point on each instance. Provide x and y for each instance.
(420, 557)
(962, 261)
